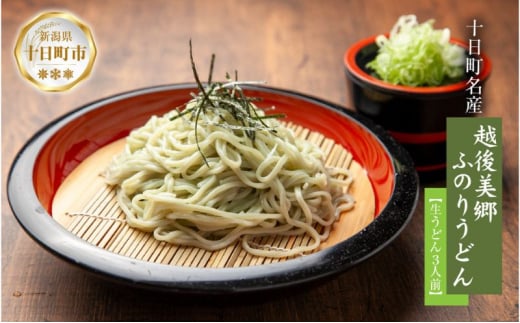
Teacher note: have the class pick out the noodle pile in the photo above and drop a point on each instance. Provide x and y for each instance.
(203, 178)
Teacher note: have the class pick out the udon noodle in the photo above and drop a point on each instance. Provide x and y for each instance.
(202, 178)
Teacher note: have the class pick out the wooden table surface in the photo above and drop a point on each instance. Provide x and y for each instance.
(296, 45)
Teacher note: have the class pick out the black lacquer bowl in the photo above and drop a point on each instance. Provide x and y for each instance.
(54, 152)
(415, 116)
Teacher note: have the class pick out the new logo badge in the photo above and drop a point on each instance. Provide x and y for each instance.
(55, 51)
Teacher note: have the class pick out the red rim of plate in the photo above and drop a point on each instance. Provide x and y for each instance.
(82, 136)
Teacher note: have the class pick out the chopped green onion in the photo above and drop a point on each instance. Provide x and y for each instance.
(418, 55)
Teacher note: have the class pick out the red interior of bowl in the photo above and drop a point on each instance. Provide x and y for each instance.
(357, 71)
(113, 119)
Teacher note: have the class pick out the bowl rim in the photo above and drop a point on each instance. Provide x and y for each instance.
(42, 228)
(359, 74)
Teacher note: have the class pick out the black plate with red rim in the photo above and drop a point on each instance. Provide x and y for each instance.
(52, 153)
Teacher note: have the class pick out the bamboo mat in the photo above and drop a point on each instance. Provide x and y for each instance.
(87, 207)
